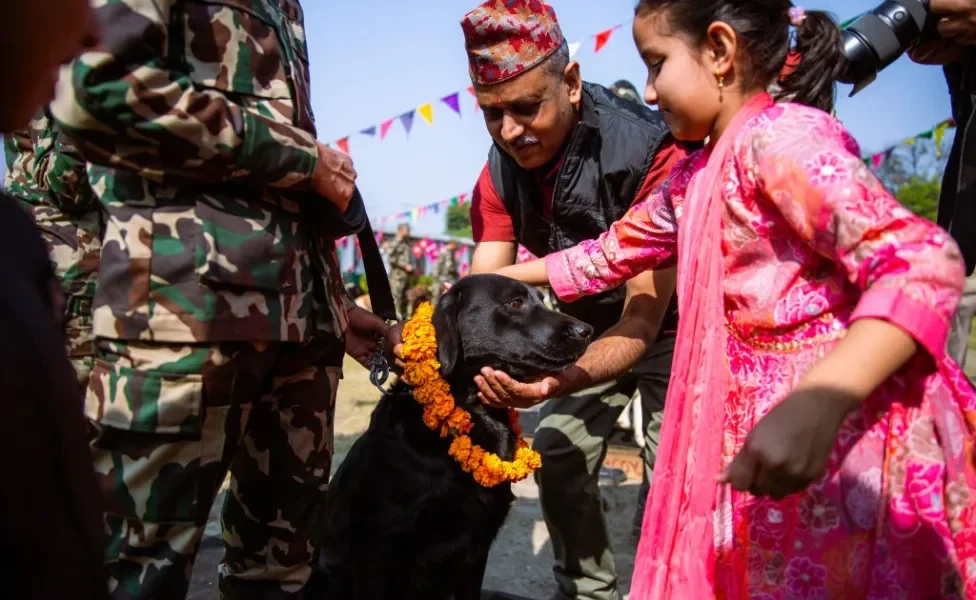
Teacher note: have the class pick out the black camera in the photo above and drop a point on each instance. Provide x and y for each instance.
(877, 38)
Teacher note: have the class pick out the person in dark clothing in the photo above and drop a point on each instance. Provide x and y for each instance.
(50, 507)
(954, 48)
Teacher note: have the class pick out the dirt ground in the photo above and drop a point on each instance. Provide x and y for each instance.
(521, 559)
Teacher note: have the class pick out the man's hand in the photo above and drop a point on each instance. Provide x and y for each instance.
(958, 20)
(335, 177)
(365, 329)
(938, 52)
(498, 389)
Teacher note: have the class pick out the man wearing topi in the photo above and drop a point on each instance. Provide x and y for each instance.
(569, 158)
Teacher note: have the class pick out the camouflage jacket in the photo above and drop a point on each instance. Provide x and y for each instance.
(46, 174)
(399, 256)
(446, 268)
(196, 118)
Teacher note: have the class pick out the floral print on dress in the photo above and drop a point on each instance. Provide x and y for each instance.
(812, 241)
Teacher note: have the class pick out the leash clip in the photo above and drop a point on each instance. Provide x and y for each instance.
(379, 369)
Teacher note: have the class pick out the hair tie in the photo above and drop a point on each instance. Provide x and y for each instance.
(797, 16)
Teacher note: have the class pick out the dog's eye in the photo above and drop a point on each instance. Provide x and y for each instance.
(516, 303)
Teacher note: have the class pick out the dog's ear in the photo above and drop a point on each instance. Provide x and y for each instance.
(448, 335)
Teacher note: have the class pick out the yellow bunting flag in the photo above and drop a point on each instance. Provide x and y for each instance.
(427, 112)
(938, 134)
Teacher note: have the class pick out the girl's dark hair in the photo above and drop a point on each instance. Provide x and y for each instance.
(763, 28)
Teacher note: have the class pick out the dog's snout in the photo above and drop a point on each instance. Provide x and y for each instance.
(580, 331)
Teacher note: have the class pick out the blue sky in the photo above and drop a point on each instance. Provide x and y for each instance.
(374, 59)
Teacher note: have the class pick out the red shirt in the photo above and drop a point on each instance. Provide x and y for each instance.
(490, 222)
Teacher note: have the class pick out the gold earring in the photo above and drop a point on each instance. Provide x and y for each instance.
(721, 86)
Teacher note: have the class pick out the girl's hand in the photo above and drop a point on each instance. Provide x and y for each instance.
(788, 449)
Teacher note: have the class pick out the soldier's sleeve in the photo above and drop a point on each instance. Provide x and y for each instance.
(129, 105)
(60, 168)
(18, 152)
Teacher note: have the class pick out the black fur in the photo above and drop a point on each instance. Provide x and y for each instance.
(402, 520)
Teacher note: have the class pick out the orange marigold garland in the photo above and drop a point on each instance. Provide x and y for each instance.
(442, 415)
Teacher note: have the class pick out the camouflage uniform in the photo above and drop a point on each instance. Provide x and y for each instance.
(445, 271)
(47, 175)
(399, 258)
(219, 315)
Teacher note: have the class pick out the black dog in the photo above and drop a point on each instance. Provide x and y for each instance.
(402, 520)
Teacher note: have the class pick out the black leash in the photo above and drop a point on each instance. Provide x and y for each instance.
(381, 301)
(355, 221)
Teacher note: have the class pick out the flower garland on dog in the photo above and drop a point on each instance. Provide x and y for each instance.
(442, 415)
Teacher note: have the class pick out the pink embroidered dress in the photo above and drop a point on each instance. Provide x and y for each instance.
(811, 241)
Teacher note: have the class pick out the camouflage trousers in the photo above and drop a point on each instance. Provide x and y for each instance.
(170, 420)
(399, 286)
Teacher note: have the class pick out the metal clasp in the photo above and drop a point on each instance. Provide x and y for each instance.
(379, 369)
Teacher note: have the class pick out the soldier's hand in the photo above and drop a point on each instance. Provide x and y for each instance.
(335, 177)
(365, 331)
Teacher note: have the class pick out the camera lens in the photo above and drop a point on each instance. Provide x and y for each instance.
(879, 37)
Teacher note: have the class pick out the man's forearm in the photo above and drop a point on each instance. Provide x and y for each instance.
(615, 353)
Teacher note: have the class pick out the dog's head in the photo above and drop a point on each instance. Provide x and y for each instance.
(494, 321)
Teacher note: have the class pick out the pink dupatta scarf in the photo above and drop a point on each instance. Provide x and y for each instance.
(675, 557)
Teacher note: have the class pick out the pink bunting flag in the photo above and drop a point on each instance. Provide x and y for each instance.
(343, 144)
(453, 102)
(878, 159)
(385, 128)
(471, 91)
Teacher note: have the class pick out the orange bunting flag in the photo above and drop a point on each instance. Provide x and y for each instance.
(343, 144)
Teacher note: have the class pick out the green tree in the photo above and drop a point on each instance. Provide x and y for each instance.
(459, 221)
(921, 196)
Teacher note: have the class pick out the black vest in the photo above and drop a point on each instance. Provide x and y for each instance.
(606, 161)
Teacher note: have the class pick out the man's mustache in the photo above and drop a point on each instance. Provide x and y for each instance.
(525, 140)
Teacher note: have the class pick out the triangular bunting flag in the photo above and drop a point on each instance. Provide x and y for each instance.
(454, 201)
(574, 48)
(427, 112)
(452, 101)
(385, 128)
(407, 120)
(602, 38)
(414, 214)
(343, 144)
(878, 159)
(461, 199)
(927, 135)
(370, 131)
(471, 91)
(938, 135)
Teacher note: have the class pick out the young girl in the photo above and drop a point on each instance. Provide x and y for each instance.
(818, 443)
